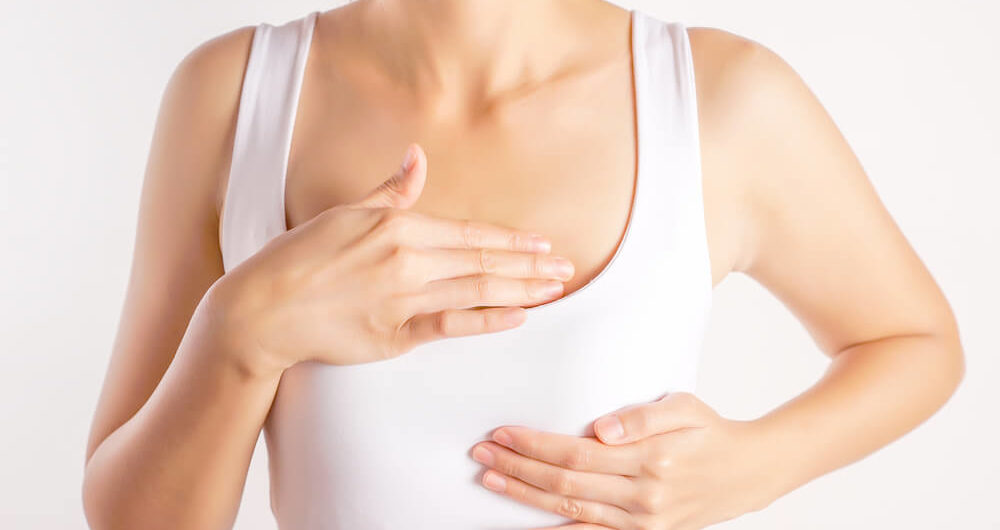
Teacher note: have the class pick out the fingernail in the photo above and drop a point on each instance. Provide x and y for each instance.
(610, 428)
(494, 481)
(563, 268)
(502, 437)
(482, 455)
(410, 158)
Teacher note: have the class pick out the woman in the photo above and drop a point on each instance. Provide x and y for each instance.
(427, 347)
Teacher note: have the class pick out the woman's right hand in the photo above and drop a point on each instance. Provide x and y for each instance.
(371, 280)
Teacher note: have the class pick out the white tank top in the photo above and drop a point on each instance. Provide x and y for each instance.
(387, 444)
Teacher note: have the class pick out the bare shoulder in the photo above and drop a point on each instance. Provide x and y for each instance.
(741, 87)
(791, 206)
(735, 75)
(202, 99)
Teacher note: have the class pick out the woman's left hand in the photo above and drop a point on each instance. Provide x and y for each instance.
(676, 465)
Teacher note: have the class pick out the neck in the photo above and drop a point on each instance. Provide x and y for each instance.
(477, 49)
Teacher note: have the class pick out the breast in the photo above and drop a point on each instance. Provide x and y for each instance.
(387, 444)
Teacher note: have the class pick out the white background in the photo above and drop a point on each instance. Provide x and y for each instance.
(913, 85)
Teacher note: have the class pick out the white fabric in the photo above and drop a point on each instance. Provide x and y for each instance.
(387, 444)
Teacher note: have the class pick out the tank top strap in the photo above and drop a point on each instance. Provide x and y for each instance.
(671, 203)
(253, 210)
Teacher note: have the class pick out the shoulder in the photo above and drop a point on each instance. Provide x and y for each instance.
(736, 75)
(200, 104)
(758, 124)
(804, 219)
(210, 75)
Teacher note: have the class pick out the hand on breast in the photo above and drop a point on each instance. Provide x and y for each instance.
(371, 280)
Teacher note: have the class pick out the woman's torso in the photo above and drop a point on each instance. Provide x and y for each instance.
(567, 147)
(386, 444)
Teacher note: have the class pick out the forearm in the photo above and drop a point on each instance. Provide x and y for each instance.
(181, 460)
(871, 394)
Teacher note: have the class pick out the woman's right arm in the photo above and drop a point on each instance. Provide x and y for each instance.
(198, 354)
(178, 417)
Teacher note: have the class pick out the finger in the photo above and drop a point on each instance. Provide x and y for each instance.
(453, 263)
(577, 509)
(458, 323)
(404, 187)
(575, 526)
(676, 410)
(440, 232)
(482, 290)
(582, 453)
(611, 489)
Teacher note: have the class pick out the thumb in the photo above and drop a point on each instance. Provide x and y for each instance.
(403, 188)
(676, 410)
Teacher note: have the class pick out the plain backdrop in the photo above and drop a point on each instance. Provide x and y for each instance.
(913, 85)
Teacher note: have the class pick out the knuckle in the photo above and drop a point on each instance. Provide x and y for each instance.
(571, 508)
(537, 265)
(506, 466)
(515, 241)
(652, 500)
(392, 223)
(403, 262)
(487, 261)
(444, 323)
(489, 320)
(471, 235)
(482, 287)
(577, 458)
(658, 466)
(563, 483)
(528, 288)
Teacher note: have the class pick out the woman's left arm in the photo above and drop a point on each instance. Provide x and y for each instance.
(819, 238)
(816, 235)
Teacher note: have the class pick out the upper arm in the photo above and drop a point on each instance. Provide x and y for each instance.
(176, 255)
(812, 228)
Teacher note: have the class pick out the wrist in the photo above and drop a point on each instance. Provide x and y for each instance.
(780, 448)
(230, 336)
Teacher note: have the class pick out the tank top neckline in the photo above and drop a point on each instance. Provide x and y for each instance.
(627, 335)
(637, 98)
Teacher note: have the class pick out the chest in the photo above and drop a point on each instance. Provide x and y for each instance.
(560, 161)
(342, 439)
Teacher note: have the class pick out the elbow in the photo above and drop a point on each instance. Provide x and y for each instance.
(956, 360)
(950, 338)
(951, 364)
(92, 509)
(102, 506)
(109, 502)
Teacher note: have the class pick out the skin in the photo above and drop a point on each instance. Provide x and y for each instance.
(477, 84)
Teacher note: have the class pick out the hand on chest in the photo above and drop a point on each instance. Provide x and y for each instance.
(569, 177)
